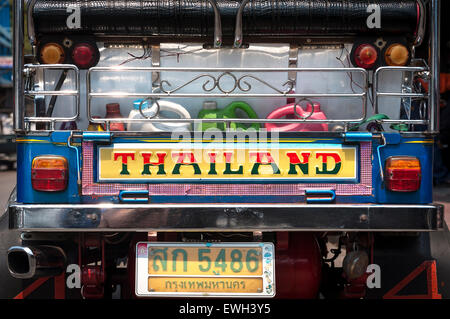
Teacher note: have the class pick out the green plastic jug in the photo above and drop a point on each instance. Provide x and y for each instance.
(210, 111)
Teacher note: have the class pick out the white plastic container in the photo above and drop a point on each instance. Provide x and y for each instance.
(164, 106)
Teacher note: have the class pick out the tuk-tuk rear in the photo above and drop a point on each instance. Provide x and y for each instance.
(226, 148)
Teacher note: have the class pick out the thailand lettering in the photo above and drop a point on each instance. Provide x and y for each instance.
(258, 163)
(154, 164)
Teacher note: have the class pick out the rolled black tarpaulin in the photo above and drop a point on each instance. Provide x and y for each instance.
(196, 18)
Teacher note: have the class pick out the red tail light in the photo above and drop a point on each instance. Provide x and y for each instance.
(84, 55)
(366, 55)
(403, 174)
(49, 173)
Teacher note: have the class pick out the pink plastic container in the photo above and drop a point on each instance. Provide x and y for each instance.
(288, 112)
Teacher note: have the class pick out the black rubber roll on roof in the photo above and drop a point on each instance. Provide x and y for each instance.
(196, 18)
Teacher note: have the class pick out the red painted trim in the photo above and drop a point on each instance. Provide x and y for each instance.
(60, 286)
(282, 241)
(35, 285)
(432, 281)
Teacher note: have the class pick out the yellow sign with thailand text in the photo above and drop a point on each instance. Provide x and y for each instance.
(158, 162)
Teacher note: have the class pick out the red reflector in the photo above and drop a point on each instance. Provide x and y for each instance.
(403, 174)
(49, 173)
(366, 56)
(84, 55)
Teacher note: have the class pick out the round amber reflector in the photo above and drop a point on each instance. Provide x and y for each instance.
(396, 55)
(366, 56)
(52, 53)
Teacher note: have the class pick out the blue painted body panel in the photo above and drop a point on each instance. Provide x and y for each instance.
(397, 146)
(29, 147)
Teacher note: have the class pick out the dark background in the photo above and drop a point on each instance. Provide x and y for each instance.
(444, 138)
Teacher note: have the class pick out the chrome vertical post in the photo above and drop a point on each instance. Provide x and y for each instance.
(18, 61)
(434, 63)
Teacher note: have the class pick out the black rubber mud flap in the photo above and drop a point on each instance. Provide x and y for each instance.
(440, 251)
(408, 267)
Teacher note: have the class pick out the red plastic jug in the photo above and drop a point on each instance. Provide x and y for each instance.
(113, 112)
(288, 112)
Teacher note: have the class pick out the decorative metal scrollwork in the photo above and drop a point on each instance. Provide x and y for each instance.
(221, 77)
(217, 82)
(249, 87)
(204, 86)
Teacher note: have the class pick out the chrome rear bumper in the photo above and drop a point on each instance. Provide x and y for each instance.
(224, 217)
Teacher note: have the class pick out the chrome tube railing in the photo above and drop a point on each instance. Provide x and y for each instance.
(75, 93)
(377, 93)
(212, 89)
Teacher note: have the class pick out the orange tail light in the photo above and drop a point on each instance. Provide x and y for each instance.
(403, 174)
(49, 173)
(52, 53)
(397, 55)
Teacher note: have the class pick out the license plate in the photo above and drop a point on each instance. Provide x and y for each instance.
(205, 269)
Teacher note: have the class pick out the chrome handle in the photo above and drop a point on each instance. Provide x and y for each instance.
(238, 31)
(139, 196)
(217, 25)
(331, 196)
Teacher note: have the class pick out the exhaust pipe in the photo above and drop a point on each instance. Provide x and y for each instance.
(39, 261)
